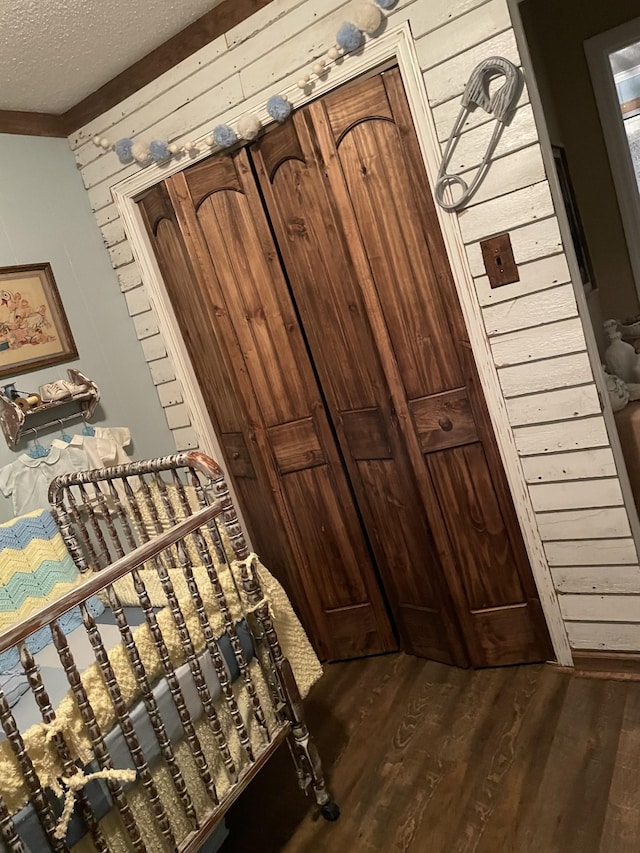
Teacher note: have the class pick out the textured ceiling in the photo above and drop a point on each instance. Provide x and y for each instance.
(55, 52)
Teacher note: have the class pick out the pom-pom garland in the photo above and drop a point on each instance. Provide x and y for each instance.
(367, 17)
(279, 108)
(159, 151)
(249, 126)
(224, 136)
(349, 37)
(140, 152)
(123, 151)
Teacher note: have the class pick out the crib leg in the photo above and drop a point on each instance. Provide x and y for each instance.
(303, 750)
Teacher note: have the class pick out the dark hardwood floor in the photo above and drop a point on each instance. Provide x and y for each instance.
(431, 759)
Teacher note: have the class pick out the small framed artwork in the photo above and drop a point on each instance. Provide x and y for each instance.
(34, 330)
(575, 223)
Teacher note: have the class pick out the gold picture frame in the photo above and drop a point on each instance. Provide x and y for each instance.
(34, 330)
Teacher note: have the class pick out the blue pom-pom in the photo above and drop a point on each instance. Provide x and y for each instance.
(349, 37)
(279, 108)
(224, 135)
(123, 150)
(386, 4)
(159, 151)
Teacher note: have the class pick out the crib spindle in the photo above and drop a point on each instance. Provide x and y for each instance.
(70, 768)
(126, 724)
(196, 671)
(8, 831)
(151, 705)
(37, 796)
(167, 666)
(95, 735)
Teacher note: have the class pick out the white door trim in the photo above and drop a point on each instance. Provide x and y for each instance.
(395, 45)
(597, 50)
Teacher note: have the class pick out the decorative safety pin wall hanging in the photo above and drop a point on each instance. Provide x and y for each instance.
(500, 105)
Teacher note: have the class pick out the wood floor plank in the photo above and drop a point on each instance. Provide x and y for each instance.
(425, 758)
(622, 823)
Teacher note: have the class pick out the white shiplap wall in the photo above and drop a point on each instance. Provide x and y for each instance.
(535, 333)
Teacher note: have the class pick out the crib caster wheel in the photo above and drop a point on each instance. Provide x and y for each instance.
(330, 811)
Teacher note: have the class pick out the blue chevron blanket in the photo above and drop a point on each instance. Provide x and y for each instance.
(35, 569)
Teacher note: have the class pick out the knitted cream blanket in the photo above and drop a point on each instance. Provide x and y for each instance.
(39, 738)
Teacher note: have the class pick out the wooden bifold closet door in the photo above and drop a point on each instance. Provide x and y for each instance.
(316, 262)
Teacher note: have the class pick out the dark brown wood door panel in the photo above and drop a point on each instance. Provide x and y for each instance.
(372, 161)
(310, 228)
(255, 322)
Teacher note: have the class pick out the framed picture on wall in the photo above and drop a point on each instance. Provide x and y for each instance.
(34, 330)
(575, 223)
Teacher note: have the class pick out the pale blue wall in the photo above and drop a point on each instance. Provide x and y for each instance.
(45, 216)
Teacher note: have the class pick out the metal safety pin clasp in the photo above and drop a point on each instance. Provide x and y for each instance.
(500, 105)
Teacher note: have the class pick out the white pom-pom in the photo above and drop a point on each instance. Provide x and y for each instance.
(333, 52)
(249, 126)
(302, 84)
(96, 140)
(367, 17)
(320, 68)
(140, 152)
(173, 148)
(210, 141)
(104, 143)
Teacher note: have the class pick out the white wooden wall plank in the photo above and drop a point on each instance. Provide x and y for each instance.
(592, 552)
(185, 438)
(561, 405)
(530, 242)
(472, 146)
(448, 79)
(507, 174)
(601, 608)
(162, 371)
(579, 465)
(583, 524)
(534, 276)
(129, 277)
(154, 348)
(107, 214)
(463, 33)
(177, 416)
(445, 115)
(146, 324)
(509, 211)
(561, 338)
(113, 233)
(557, 438)
(533, 309)
(154, 92)
(137, 301)
(426, 17)
(285, 54)
(604, 636)
(576, 495)
(120, 255)
(602, 579)
(170, 393)
(261, 20)
(545, 375)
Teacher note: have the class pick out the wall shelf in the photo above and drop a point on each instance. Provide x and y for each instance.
(16, 423)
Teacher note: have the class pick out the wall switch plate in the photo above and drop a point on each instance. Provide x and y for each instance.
(499, 262)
